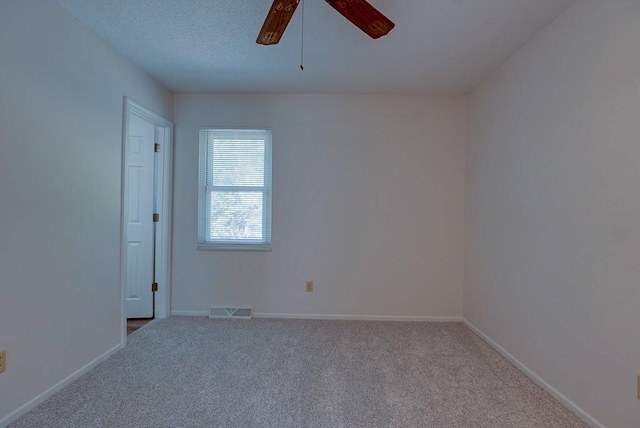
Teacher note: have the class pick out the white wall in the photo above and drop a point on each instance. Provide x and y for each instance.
(61, 101)
(368, 203)
(553, 208)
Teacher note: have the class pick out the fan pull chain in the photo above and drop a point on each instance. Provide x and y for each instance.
(302, 39)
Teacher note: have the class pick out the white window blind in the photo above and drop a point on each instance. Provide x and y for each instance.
(234, 189)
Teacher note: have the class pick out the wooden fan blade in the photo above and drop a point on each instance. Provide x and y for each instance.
(364, 16)
(276, 22)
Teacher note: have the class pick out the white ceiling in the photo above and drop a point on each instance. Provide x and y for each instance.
(437, 46)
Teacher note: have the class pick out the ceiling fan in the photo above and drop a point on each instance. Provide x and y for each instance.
(359, 12)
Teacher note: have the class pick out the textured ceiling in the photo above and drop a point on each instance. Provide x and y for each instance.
(438, 46)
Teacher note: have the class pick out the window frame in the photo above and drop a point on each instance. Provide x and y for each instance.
(204, 194)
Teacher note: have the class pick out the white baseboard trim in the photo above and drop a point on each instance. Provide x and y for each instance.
(32, 404)
(357, 317)
(577, 410)
(190, 313)
(331, 317)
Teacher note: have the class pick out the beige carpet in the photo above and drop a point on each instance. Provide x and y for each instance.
(197, 372)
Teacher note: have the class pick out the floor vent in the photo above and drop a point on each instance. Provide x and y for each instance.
(223, 312)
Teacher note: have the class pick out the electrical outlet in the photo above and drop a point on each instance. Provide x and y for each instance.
(309, 286)
(3, 361)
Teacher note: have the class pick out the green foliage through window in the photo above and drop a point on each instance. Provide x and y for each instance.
(235, 187)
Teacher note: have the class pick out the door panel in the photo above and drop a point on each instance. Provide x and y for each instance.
(139, 226)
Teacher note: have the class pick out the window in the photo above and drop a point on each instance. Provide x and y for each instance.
(234, 203)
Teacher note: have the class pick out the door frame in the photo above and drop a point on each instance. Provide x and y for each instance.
(163, 181)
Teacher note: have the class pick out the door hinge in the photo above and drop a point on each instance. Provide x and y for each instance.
(156, 217)
(156, 147)
(154, 287)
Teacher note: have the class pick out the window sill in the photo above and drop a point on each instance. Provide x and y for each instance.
(207, 246)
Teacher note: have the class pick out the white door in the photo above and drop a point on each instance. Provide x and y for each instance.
(138, 218)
